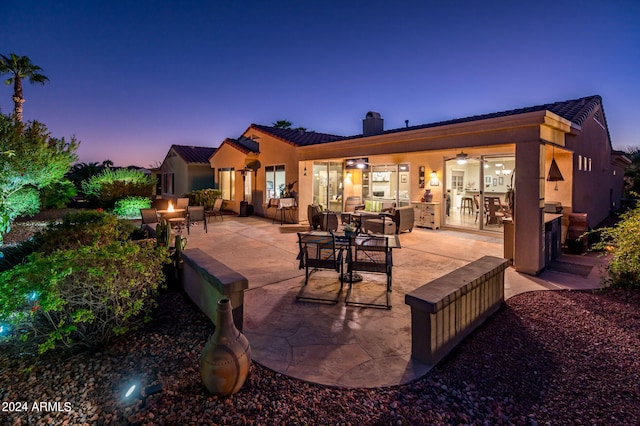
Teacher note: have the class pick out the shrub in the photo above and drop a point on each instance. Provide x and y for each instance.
(204, 197)
(82, 297)
(58, 194)
(129, 207)
(111, 185)
(30, 159)
(623, 242)
(89, 227)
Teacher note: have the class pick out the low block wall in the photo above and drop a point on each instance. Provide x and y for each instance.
(207, 280)
(446, 310)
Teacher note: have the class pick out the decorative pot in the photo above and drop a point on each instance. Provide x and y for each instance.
(225, 359)
(428, 196)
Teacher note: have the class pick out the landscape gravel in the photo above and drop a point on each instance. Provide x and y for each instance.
(554, 357)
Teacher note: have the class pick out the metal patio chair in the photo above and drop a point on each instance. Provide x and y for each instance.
(196, 214)
(319, 252)
(372, 254)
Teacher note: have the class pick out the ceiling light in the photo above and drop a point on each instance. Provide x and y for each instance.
(461, 158)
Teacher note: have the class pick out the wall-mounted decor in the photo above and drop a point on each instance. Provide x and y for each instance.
(487, 180)
(403, 178)
(421, 176)
(500, 180)
(495, 181)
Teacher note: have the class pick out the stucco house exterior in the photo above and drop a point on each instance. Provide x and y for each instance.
(185, 168)
(463, 162)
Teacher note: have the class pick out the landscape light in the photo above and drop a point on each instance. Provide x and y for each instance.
(142, 394)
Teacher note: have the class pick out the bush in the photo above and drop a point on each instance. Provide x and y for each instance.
(82, 297)
(58, 194)
(129, 207)
(89, 227)
(109, 186)
(204, 197)
(623, 242)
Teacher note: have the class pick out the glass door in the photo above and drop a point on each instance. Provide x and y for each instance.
(463, 182)
(477, 192)
(328, 185)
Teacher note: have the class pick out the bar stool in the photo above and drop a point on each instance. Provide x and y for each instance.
(466, 204)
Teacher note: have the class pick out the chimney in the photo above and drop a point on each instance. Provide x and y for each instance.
(372, 124)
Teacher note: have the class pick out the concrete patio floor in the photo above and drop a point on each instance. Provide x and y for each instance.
(348, 346)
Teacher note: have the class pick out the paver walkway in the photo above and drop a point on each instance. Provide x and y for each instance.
(349, 346)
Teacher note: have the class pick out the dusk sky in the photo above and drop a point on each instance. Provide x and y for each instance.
(131, 78)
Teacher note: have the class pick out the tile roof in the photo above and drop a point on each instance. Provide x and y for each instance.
(194, 154)
(575, 110)
(298, 137)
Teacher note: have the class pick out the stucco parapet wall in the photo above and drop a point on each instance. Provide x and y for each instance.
(206, 281)
(224, 279)
(520, 127)
(443, 291)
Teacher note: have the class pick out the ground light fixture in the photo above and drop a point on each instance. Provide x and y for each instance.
(461, 158)
(135, 391)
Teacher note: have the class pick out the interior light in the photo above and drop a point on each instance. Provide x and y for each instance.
(498, 164)
(361, 165)
(433, 175)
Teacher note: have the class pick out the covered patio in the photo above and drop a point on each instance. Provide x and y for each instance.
(351, 346)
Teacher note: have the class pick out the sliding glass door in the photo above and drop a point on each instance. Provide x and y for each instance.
(328, 185)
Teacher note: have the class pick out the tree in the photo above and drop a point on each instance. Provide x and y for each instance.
(20, 67)
(282, 124)
(632, 172)
(37, 160)
(83, 171)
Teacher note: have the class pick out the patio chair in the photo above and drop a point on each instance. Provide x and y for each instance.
(182, 203)
(314, 215)
(369, 253)
(319, 252)
(329, 222)
(196, 214)
(216, 210)
(149, 216)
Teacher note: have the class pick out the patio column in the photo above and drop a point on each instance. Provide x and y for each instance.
(529, 209)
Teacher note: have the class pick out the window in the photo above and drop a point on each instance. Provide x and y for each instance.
(579, 162)
(457, 180)
(274, 178)
(226, 178)
(168, 182)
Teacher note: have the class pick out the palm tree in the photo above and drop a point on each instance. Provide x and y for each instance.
(282, 124)
(20, 67)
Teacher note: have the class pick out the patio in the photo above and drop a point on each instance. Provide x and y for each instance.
(349, 346)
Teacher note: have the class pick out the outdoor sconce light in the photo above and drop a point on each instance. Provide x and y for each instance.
(142, 394)
(461, 158)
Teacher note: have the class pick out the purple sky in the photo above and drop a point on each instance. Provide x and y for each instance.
(130, 78)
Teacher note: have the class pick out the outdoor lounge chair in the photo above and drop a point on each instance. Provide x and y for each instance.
(318, 252)
(369, 253)
(196, 214)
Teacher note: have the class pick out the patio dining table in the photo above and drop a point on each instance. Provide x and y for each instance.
(343, 242)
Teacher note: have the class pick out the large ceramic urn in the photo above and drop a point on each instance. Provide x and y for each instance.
(225, 359)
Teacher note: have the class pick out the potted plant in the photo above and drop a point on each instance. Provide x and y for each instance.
(349, 229)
